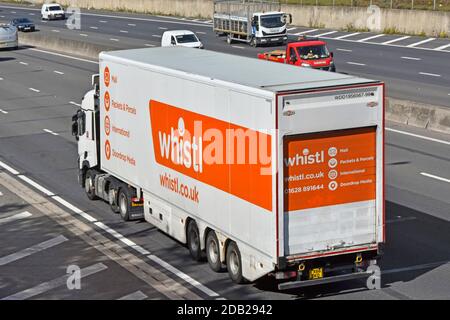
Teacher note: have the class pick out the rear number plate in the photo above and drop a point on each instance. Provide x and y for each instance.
(316, 273)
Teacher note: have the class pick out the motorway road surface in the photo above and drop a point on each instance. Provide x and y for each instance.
(39, 92)
(414, 68)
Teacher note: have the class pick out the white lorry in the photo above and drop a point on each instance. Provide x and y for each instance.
(253, 21)
(264, 168)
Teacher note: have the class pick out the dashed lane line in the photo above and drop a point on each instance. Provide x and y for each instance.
(19, 216)
(138, 295)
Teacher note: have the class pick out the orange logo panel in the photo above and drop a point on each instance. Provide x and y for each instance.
(107, 100)
(329, 169)
(107, 76)
(205, 149)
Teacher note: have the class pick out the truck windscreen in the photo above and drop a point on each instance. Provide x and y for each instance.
(272, 21)
(313, 52)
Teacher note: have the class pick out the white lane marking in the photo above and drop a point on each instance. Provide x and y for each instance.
(103, 21)
(58, 72)
(138, 295)
(114, 39)
(54, 30)
(15, 217)
(432, 176)
(303, 32)
(412, 45)
(1, 79)
(74, 209)
(23, 63)
(400, 219)
(75, 104)
(132, 25)
(238, 47)
(123, 31)
(32, 250)
(442, 47)
(347, 35)
(324, 34)
(416, 267)
(290, 29)
(395, 40)
(162, 28)
(411, 58)
(430, 74)
(63, 55)
(372, 37)
(55, 283)
(83, 35)
(356, 63)
(31, 14)
(121, 238)
(95, 28)
(150, 45)
(8, 168)
(200, 32)
(34, 90)
(345, 50)
(418, 136)
(125, 240)
(36, 185)
(183, 276)
(156, 36)
(51, 132)
(1, 193)
(3, 111)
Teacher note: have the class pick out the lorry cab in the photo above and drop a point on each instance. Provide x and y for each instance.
(310, 54)
(269, 27)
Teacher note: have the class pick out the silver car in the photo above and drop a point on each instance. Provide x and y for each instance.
(8, 36)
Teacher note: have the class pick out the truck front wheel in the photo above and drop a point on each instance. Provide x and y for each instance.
(89, 185)
(193, 241)
(234, 263)
(229, 39)
(253, 42)
(124, 204)
(213, 252)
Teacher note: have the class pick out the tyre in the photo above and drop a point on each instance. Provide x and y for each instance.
(213, 251)
(229, 39)
(193, 241)
(253, 42)
(89, 185)
(124, 204)
(112, 202)
(234, 263)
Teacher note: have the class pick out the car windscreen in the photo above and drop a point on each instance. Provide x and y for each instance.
(24, 20)
(186, 38)
(313, 52)
(54, 8)
(272, 21)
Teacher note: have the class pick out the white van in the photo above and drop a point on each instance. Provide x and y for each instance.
(8, 36)
(184, 38)
(52, 11)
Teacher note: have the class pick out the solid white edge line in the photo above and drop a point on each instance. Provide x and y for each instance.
(8, 168)
(435, 177)
(324, 34)
(183, 276)
(372, 37)
(411, 58)
(418, 136)
(412, 45)
(36, 185)
(442, 47)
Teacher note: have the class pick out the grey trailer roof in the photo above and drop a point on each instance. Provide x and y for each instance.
(251, 72)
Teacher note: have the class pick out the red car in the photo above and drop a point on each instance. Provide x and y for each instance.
(306, 52)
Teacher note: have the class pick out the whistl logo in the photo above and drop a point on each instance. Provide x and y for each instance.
(231, 158)
(306, 158)
(182, 148)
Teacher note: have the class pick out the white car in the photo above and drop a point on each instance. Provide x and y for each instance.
(8, 36)
(52, 11)
(184, 38)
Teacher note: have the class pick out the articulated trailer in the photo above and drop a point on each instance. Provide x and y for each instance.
(252, 21)
(264, 168)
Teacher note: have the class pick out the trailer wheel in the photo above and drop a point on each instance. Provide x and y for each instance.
(112, 202)
(253, 42)
(213, 251)
(234, 263)
(89, 185)
(193, 241)
(124, 204)
(229, 39)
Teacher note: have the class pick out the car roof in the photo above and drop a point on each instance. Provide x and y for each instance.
(179, 32)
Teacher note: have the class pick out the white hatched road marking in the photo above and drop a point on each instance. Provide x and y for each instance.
(15, 217)
(432, 176)
(344, 50)
(324, 34)
(396, 40)
(347, 35)
(304, 32)
(24, 63)
(411, 58)
(356, 63)
(123, 31)
(238, 47)
(58, 72)
(75, 104)
(51, 132)
(138, 295)
(372, 37)
(55, 283)
(419, 43)
(32, 250)
(442, 47)
(34, 90)
(3, 111)
(114, 39)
